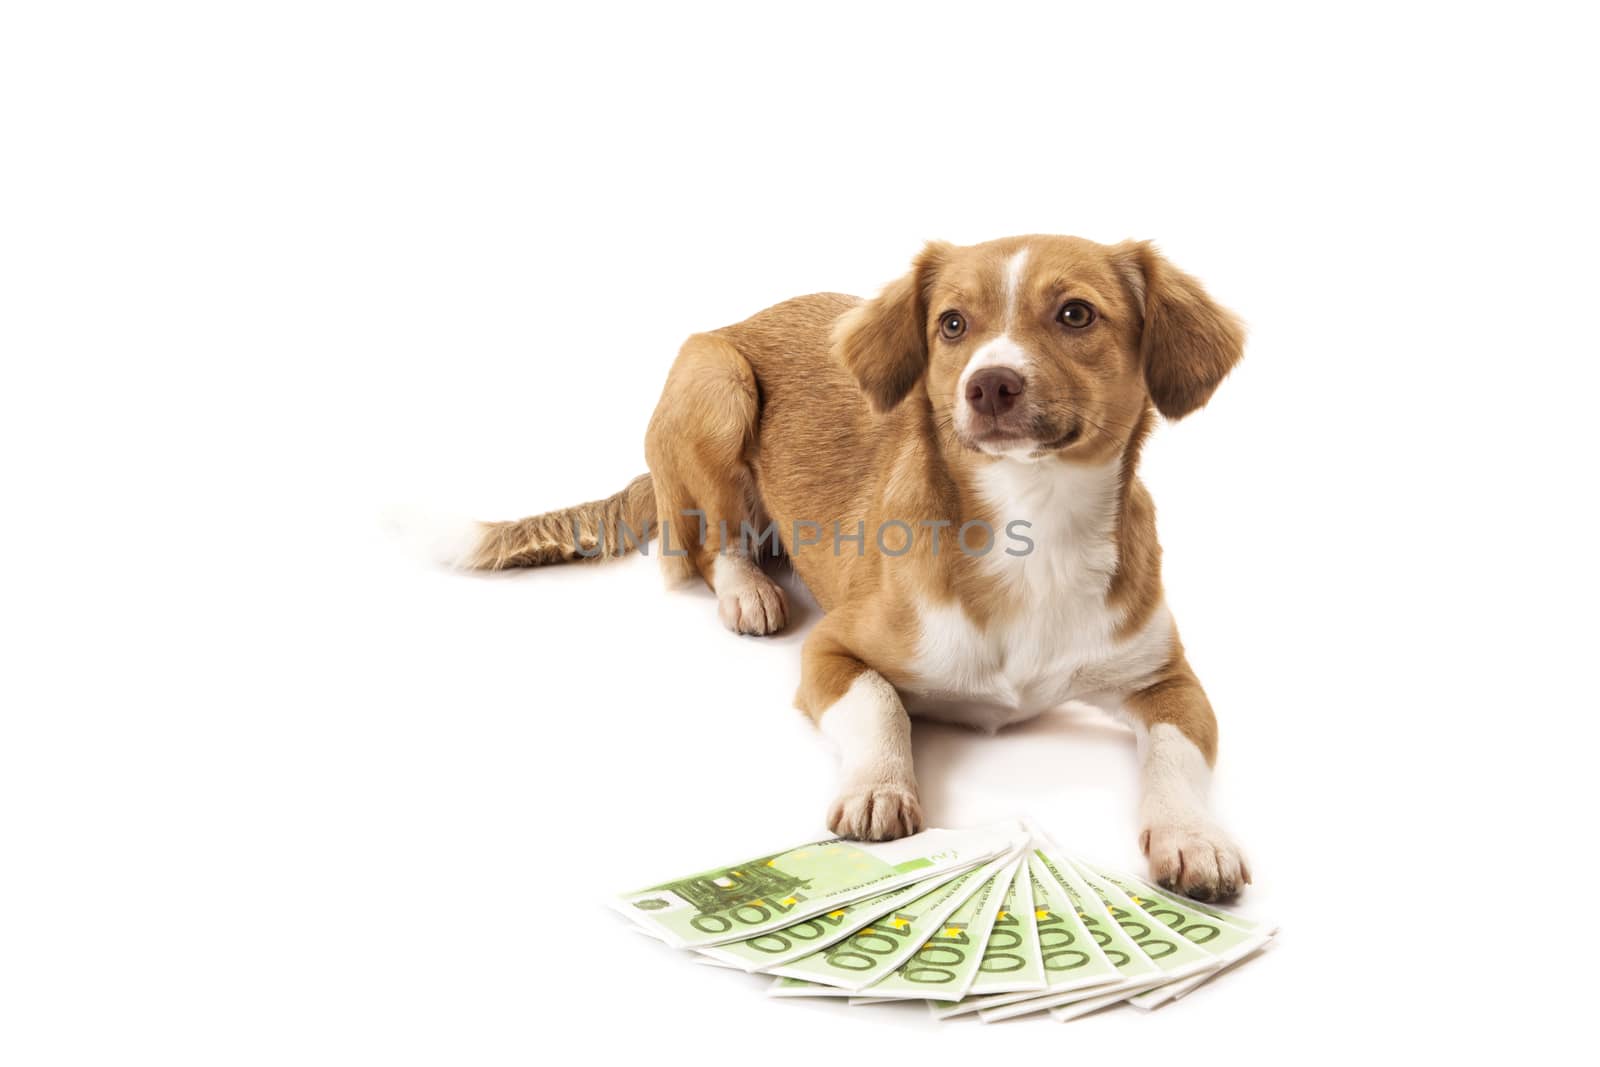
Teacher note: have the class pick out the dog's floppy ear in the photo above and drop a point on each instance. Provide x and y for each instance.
(1189, 343)
(883, 343)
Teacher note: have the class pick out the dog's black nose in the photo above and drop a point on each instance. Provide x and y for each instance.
(994, 391)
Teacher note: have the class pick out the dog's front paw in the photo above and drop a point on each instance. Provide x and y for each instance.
(1197, 860)
(879, 811)
(749, 602)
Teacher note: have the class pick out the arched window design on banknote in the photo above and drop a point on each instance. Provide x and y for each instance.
(717, 891)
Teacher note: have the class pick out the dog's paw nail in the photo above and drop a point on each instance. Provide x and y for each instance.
(1200, 862)
(878, 812)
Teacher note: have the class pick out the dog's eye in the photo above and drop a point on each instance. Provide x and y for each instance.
(952, 325)
(1075, 313)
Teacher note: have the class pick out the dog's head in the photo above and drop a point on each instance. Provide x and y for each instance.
(1040, 346)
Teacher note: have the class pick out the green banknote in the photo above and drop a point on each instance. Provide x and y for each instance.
(1084, 951)
(803, 938)
(1219, 938)
(1011, 962)
(1071, 957)
(1013, 954)
(768, 893)
(1167, 948)
(1146, 953)
(946, 964)
(1191, 923)
(1138, 887)
(997, 921)
(876, 950)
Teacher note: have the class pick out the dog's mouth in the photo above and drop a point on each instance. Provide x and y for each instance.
(1033, 441)
(1066, 440)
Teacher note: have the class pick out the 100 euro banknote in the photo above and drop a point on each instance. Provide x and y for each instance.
(1083, 951)
(789, 943)
(877, 950)
(997, 921)
(1227, 938)
(1139, 887)
(944, 967)
(768, 893)
(1145, 953)
(1011, 961)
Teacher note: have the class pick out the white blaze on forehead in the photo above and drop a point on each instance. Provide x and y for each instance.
(1001, 350)
(1014, 268)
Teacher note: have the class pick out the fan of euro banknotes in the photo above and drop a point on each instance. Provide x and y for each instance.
(996, 921)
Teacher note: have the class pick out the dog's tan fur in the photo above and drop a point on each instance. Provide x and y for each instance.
(827, 408)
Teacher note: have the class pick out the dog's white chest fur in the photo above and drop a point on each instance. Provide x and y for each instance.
(1056, 641)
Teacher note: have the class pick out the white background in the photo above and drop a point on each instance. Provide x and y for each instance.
(273, 791)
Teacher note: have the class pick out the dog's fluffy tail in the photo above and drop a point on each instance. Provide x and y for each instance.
(598, 530)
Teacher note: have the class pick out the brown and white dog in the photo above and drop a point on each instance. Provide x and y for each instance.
(1006, 386)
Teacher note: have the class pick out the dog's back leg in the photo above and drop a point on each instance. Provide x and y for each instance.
(698, 447)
